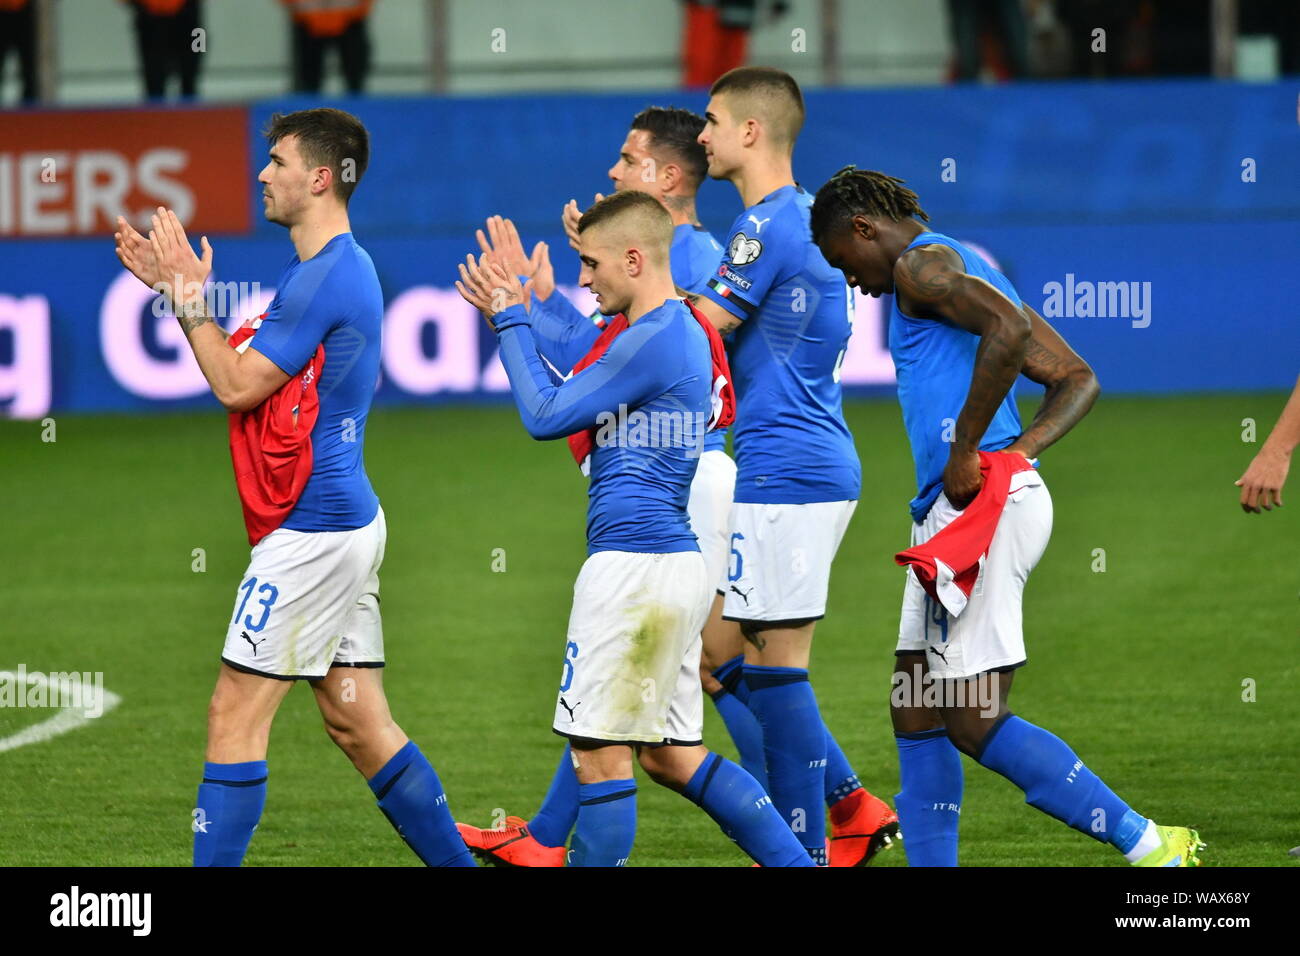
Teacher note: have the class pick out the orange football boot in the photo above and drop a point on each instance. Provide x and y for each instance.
(861, 826)
(512, 845)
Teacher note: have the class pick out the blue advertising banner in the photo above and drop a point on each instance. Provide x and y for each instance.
(1154, 224)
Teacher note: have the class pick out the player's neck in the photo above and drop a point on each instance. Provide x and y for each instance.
(682, 210)
(651, 298)
(901, 237)
(762, 176)
(310, 236)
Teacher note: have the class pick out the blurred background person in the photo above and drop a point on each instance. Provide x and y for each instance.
(18, 33)
(320, 25)
(715, 37)
(165, 40)
(989, 33)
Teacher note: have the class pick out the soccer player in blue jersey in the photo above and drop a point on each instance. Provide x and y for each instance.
(960, 335)
(308, 605)
(660, 157)
(642, 595)
(798, 475)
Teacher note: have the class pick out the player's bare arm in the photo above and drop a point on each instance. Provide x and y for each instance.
(1261, 485)
(166, 262)
(1072, 388)
(931, 283)
(721, 319)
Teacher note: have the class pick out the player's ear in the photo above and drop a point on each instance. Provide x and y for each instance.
(864, 227)
(322, 180)
(672, 177)
(633, 262)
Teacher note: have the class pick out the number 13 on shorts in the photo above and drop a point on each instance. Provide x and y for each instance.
(267, 594)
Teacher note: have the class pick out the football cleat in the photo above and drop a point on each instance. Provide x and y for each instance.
(512, 845)
(1179, 846)
(872, 827)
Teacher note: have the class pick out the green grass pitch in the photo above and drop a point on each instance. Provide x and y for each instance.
(1142, 668)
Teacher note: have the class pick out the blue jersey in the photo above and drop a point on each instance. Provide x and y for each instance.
(791, 444)
(333, 298)
(564, 335)
(935, 361)
(648, 396)
(694, 257)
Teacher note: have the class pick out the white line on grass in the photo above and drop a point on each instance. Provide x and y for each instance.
(65, 720)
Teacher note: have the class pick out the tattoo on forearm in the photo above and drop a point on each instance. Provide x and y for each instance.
(997, 363)
(1042, 360)
(1064, 404)
(192, 315)
(754, 637)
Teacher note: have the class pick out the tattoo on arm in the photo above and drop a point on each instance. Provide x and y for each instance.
(931, 281)
(1071, 386)
(754, 636)
(192, 315)
(997, 363)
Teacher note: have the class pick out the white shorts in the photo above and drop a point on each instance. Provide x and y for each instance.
(309, 601)
(989, 633)
(709, 508)
(781, 557)
(634, 620)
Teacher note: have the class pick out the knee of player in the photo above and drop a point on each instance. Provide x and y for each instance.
(661, 770)
(344, 735)
(967, 731)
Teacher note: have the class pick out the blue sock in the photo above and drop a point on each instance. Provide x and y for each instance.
(1053, 778)
(606, 823)
(411, 797)
(230, 802)
(559, 810)
(929, 805)
(794, 743)
(839, 780)
(741, 723)
(745, 812)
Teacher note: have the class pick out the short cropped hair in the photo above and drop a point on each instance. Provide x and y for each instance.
(766, 94)
(326, 137)
(642, 218)
(676, 131)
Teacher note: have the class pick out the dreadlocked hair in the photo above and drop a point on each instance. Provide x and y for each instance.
(862, 192)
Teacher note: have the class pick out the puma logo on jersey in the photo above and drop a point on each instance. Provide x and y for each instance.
(744, 595)
(565, 705)
(941, 654)
(244, 635)
(758, 226)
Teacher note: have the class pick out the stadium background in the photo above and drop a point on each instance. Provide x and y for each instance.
(1186, 183)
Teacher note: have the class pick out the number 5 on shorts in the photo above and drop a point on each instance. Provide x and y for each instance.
(739, 563)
